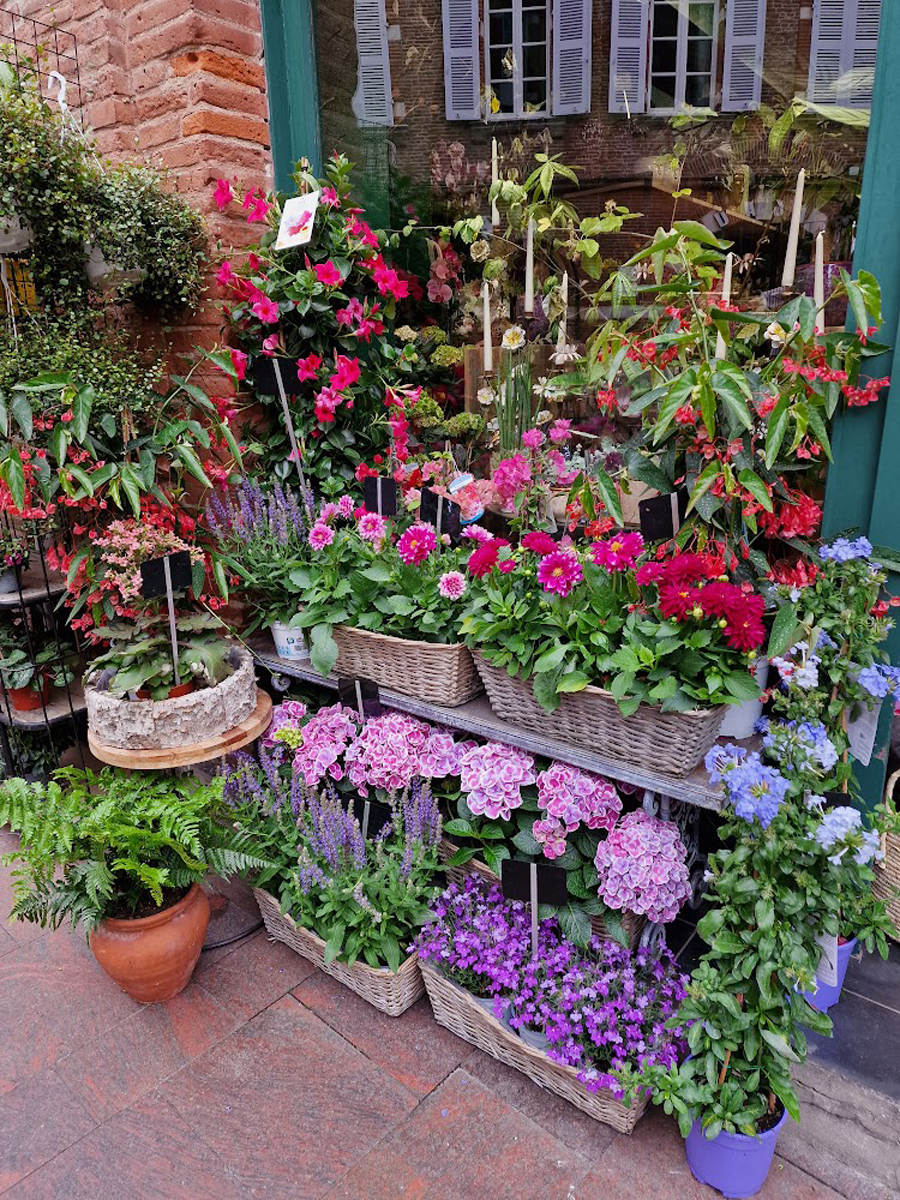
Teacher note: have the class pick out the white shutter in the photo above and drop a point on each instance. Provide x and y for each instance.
(571, 57)
(628, 55)
(860, 68)
(373, 102)
(462, 75)
(825, 53)
(745, 34)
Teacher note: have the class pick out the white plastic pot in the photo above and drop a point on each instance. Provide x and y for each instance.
(740, 719)
(289, 643)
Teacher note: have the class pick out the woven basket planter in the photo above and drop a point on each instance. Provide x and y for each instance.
(391, 992)
(431, 671)
(674, 743)
(887, 872)
(631, 922)
(459, 1012)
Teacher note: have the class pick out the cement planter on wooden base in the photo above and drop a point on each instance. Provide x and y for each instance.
(181, 721)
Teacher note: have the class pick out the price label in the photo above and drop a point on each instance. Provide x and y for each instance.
(861, 731)
(361, 694)
(380, 495)
(827, 970)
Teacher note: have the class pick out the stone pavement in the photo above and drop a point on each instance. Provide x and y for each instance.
(267, 1079)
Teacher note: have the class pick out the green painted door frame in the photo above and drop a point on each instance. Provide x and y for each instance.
(863, 491)
(293, 85)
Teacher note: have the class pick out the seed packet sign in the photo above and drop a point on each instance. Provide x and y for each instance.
(298, 219)
(861, 733)
(536, 884)
(361, 694)
(380, 495)
(661, 516)
(445, 515)
(163, 577)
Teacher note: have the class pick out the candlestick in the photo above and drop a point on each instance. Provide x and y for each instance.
(562, 339)
(726, 299)
(495, 175)
(486, 321)
(819, 283)
(529, 269)
(790, 258)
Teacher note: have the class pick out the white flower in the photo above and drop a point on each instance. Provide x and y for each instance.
(485, 396)
(480, 250)
(565, 353)
(776, 334)
(545, 389)
(514, 338)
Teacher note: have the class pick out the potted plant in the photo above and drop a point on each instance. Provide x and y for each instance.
(124, 855)
(139, 659)
(28, 674)
(14, 558)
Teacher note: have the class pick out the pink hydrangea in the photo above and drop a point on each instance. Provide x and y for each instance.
(442, 755)
(416, 543)
(552, 836)
(511, 476)
(619, 552)
(572, 797)
(452, 585)
(320, 535)
(325, 738)
(371, 528)
(642, 869)
(532, 438)
(386, 753)
(559, 572)
(560, 431)
(492, 778)
(286, 715)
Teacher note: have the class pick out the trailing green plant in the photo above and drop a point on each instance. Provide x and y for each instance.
(115, 844)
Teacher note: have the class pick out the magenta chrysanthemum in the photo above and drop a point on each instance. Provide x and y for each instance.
(452, 585)
(619, 552)
(320, 535)
(416, 543)
(371, 528)
(559, 572)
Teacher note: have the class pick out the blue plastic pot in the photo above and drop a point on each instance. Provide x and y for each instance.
(826, 995)
(732, 1162)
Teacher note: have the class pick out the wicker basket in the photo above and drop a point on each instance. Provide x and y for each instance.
(391, 992)
(459, 1012)
(431, 671)
(673, 742)
(631, 922)
(887, 872)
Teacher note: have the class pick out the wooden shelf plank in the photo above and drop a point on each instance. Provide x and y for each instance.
(478, 718)
(198, 752)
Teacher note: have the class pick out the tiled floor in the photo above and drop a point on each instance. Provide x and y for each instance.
(267, 1079)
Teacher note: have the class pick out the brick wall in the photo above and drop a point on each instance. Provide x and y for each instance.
(179, 83)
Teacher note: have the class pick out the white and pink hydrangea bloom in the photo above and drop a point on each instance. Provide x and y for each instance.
(642, 868)
(492, 778)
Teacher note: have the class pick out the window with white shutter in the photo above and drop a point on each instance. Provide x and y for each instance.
(628, 56)
(571, 57)
(517, 58)
(683, 36)
(745, 34)
(462, 74)
(373, 101)
(842, 53)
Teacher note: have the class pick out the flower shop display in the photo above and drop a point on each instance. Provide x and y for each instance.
(478, 947)
(123, 855)
(32, 663)
(382, 601)
(637, 657)
(348, 901)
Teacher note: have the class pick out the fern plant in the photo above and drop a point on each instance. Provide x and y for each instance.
(115, 845)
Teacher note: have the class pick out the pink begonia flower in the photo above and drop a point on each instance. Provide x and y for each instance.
(307, 368)
(239, 362)
(532, 438)
(256, 202)
(265, 309)
(328, 274)
(452, 585)
(223, 195)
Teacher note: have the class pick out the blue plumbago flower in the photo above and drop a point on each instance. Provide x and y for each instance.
(879, 680)
(843, 550)
(841, 832)
(756, 791)
(805, 744)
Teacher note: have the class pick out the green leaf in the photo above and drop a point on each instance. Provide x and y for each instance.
(550, 659)
(14, 473)
(741, 685)
(733, 390)
(335, 942)
(21, 411)
(192, 462)
(84, 479)
(81, 408)
(573, 681)
(457, 827)
(575, 925)
(378, 573)
(755, 486)
(779, 1044)
(527, 843)
(678, 393)
(783, 628)
(610, 495)
(699, 233)
(704, 482)
(323, 650)
(777, 427)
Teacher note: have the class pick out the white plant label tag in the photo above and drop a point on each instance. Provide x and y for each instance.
(861, 732)
(827, 971)
(298, 218)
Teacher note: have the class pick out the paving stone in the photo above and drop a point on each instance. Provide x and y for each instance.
(412, 1048)
(7, 941)
(38, 1119)
(287, 1103)
(463, 1141)
(864, 1046)
(114, 1070)
(144, 1153)
(876, 978)
(54, 998)
(256, 973)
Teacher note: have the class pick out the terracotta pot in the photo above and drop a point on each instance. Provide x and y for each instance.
(152, 958)
(27, 699)
(183, 689)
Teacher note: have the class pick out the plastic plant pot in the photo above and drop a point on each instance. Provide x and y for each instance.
(827, 995)
(732, 1162)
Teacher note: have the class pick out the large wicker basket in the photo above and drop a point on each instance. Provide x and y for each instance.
(673, 742)
(887, 872)
(459, 1012)
(392, 992)
(431, 671)
(631, 922)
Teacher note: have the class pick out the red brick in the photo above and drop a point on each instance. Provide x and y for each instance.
(159, 132)
(169, 99)
(231, 125)
(233, 97)
(153, 14)
(223, 65)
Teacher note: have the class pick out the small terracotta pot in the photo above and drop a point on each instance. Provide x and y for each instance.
(183, 689)
(27, 699)
(153, 958)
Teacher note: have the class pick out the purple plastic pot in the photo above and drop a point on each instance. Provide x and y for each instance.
(826, 995)
(732, 1162)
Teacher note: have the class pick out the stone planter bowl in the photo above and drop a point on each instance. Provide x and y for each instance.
(170, 724)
